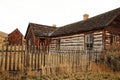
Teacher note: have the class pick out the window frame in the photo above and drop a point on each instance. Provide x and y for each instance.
(89, 41)
(57, 44)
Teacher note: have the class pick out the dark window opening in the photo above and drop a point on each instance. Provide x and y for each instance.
(89, 41)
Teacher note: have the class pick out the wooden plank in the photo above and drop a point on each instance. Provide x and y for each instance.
(18, 61)
(71, 36)
(10, 56)
(2, 59)
(35, 58)
(6, 55)
(100, 32)
(22, 58)
(14, 57)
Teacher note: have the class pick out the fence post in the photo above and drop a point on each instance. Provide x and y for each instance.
(2, 59)
(22, 49)
(39, 57)
(35, 53)
(6, 55)
(14, 57)
(18, 63)
(31, 52)
(10, 57)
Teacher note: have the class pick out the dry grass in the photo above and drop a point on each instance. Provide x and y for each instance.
(84, 76)
(88, 75)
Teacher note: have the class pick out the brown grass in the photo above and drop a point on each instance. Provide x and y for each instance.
(84, 76)
(99, 67)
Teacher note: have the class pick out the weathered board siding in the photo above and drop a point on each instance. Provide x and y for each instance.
(30, 38)
(15, 38)
(74, 42)
(98, 41)
(52, 46)
(107, 40)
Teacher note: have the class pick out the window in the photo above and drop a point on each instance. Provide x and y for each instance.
(89, 38)
(89, 41)
(114, 39)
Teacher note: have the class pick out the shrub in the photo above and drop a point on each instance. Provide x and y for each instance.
(111, 57)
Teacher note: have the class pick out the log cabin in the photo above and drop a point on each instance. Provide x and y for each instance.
(89, 34)
(37, 35)
(15, 38)
(95, 33)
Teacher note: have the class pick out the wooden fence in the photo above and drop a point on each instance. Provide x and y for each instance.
(19, 58)
(12, 57)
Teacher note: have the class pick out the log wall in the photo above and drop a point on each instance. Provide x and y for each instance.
(111, 39)
(77, 42)
(98, 41)
(73, 42)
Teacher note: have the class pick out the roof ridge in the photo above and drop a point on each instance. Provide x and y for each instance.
(39, 24)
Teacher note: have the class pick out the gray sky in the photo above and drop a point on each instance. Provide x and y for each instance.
(18, 13)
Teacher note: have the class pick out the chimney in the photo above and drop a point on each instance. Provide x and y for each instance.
(54, 25)
(85, 16)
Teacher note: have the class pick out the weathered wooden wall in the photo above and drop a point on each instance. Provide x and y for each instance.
(101, 39)
(111, 39)
(77, 42)
(67, 43)
(98, 43)
(15, 37)
(30, 38)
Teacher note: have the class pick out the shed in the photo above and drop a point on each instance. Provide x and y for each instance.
(15, 37)
(38, 35)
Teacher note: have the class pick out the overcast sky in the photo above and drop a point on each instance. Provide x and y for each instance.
(18, 13)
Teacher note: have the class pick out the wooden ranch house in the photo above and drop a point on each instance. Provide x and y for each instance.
(15, 38)
(38, 36)
(94, 33)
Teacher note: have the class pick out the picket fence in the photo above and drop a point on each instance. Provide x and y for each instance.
(22, 58)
